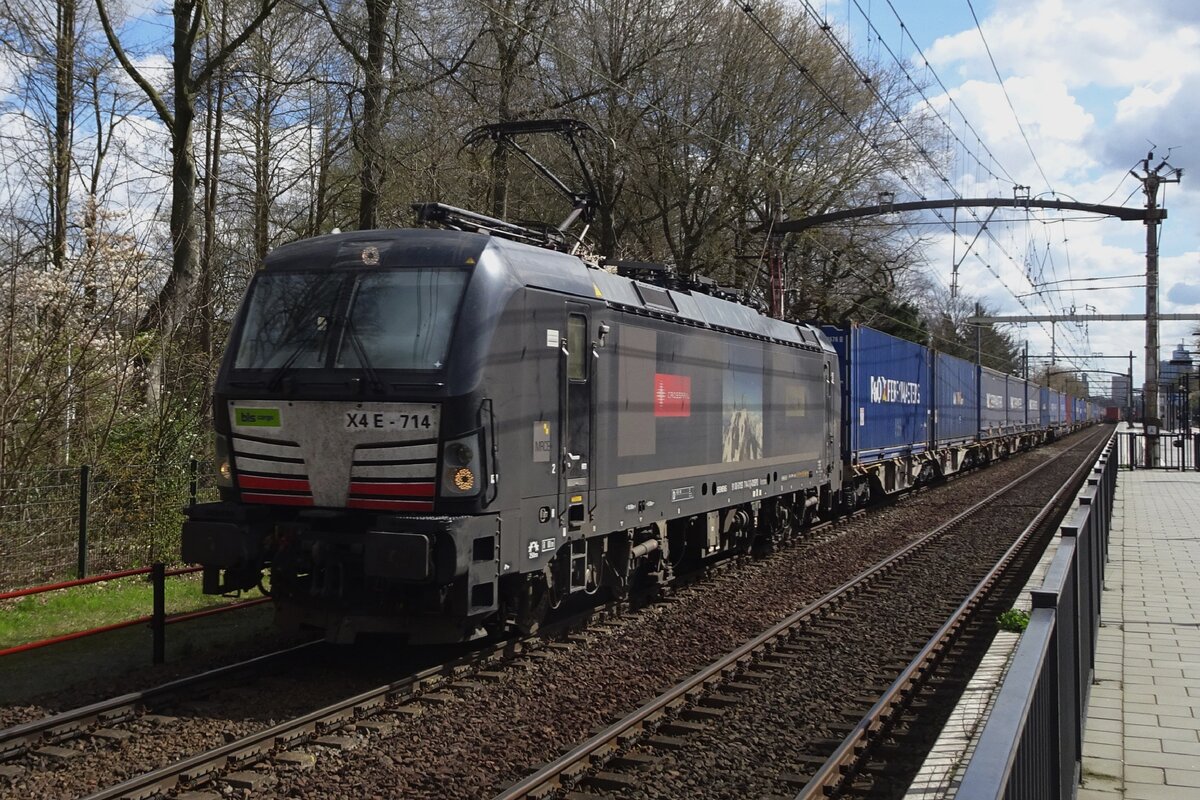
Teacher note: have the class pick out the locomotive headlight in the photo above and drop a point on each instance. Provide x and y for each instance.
(459, 453)
(461, 467)
(224, 462)
(464, 479)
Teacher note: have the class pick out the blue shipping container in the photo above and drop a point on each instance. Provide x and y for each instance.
(886, 393)
(955, 417)
(993, 402)
(1016, 403)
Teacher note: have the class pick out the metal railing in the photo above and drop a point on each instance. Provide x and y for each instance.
(1175, 450)
(86, 520)
(157, 619)
(1032, 744)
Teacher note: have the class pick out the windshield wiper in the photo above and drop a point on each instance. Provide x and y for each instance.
(283, 369)
(361, 352)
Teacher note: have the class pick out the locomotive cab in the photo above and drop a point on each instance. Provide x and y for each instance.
(355, 450)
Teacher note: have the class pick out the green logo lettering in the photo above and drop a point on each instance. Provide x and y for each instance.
(257, 417)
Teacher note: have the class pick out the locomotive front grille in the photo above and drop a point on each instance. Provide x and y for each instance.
(394, 477)
(271, 472)
(375, 456)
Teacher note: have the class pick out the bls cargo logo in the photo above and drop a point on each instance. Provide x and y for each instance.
(672, 395)
(886, 390)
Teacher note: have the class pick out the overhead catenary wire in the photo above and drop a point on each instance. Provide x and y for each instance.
(1020, 127)
(748, 9)
(951, 102)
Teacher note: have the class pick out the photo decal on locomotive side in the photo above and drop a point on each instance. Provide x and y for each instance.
(742, 403)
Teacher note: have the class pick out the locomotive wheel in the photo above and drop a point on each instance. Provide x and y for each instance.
(532, 606)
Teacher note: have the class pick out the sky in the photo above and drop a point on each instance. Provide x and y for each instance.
(1095, 85)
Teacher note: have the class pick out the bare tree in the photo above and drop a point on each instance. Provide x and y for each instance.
(403, 57)
(178, 114)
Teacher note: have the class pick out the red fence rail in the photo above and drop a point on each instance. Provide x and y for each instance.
(158, 620)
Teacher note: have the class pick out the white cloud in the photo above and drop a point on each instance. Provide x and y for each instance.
(1095, 85)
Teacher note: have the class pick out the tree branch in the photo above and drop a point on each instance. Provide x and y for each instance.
(221, 57)
(156, 100)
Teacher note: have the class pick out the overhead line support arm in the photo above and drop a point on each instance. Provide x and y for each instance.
(1120, 212)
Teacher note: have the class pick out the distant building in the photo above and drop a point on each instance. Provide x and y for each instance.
(1120, 390)
(1174, 376)
(1170, 373)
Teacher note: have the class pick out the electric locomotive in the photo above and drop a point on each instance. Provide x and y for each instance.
(443, 432)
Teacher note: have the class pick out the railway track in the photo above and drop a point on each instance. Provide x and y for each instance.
(112, 723)
(424, 704)
(707, 736)
(100, 718)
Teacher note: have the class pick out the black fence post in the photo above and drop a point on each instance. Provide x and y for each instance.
(158, 618)
(193, 471)
(84, 482)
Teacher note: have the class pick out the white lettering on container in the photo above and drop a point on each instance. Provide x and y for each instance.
(886, 390)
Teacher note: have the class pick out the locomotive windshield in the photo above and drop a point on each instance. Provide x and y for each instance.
(383, 319)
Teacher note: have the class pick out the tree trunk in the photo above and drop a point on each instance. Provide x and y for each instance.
(174, 301)
(262, 173)
(64, 106)
(212, 172)
(371, 130)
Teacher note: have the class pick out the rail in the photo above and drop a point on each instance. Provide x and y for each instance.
(567, 769)
(61, 726)
(1032, 744)
(204, 768)
(839, 769)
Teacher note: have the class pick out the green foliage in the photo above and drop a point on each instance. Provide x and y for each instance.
(900, 319)
(951, 334)
(1014, 620)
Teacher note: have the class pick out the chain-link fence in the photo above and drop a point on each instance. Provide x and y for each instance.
(67, 523)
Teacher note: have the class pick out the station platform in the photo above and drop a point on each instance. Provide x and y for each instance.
(1142, 739)
(1142, 735)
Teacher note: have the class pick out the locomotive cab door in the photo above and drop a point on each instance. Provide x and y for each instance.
(575, 473)
(829, 450)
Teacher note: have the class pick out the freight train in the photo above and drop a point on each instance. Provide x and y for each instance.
(442, 432)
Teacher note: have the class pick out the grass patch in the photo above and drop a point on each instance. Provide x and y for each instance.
(42, 616)
(1014, 620)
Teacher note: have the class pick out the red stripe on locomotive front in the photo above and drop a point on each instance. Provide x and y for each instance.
(277, 499)
(393, 489)
(274, 484)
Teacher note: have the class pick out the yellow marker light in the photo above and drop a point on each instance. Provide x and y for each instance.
(226, 470)
(577, 498)
(464, 479)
